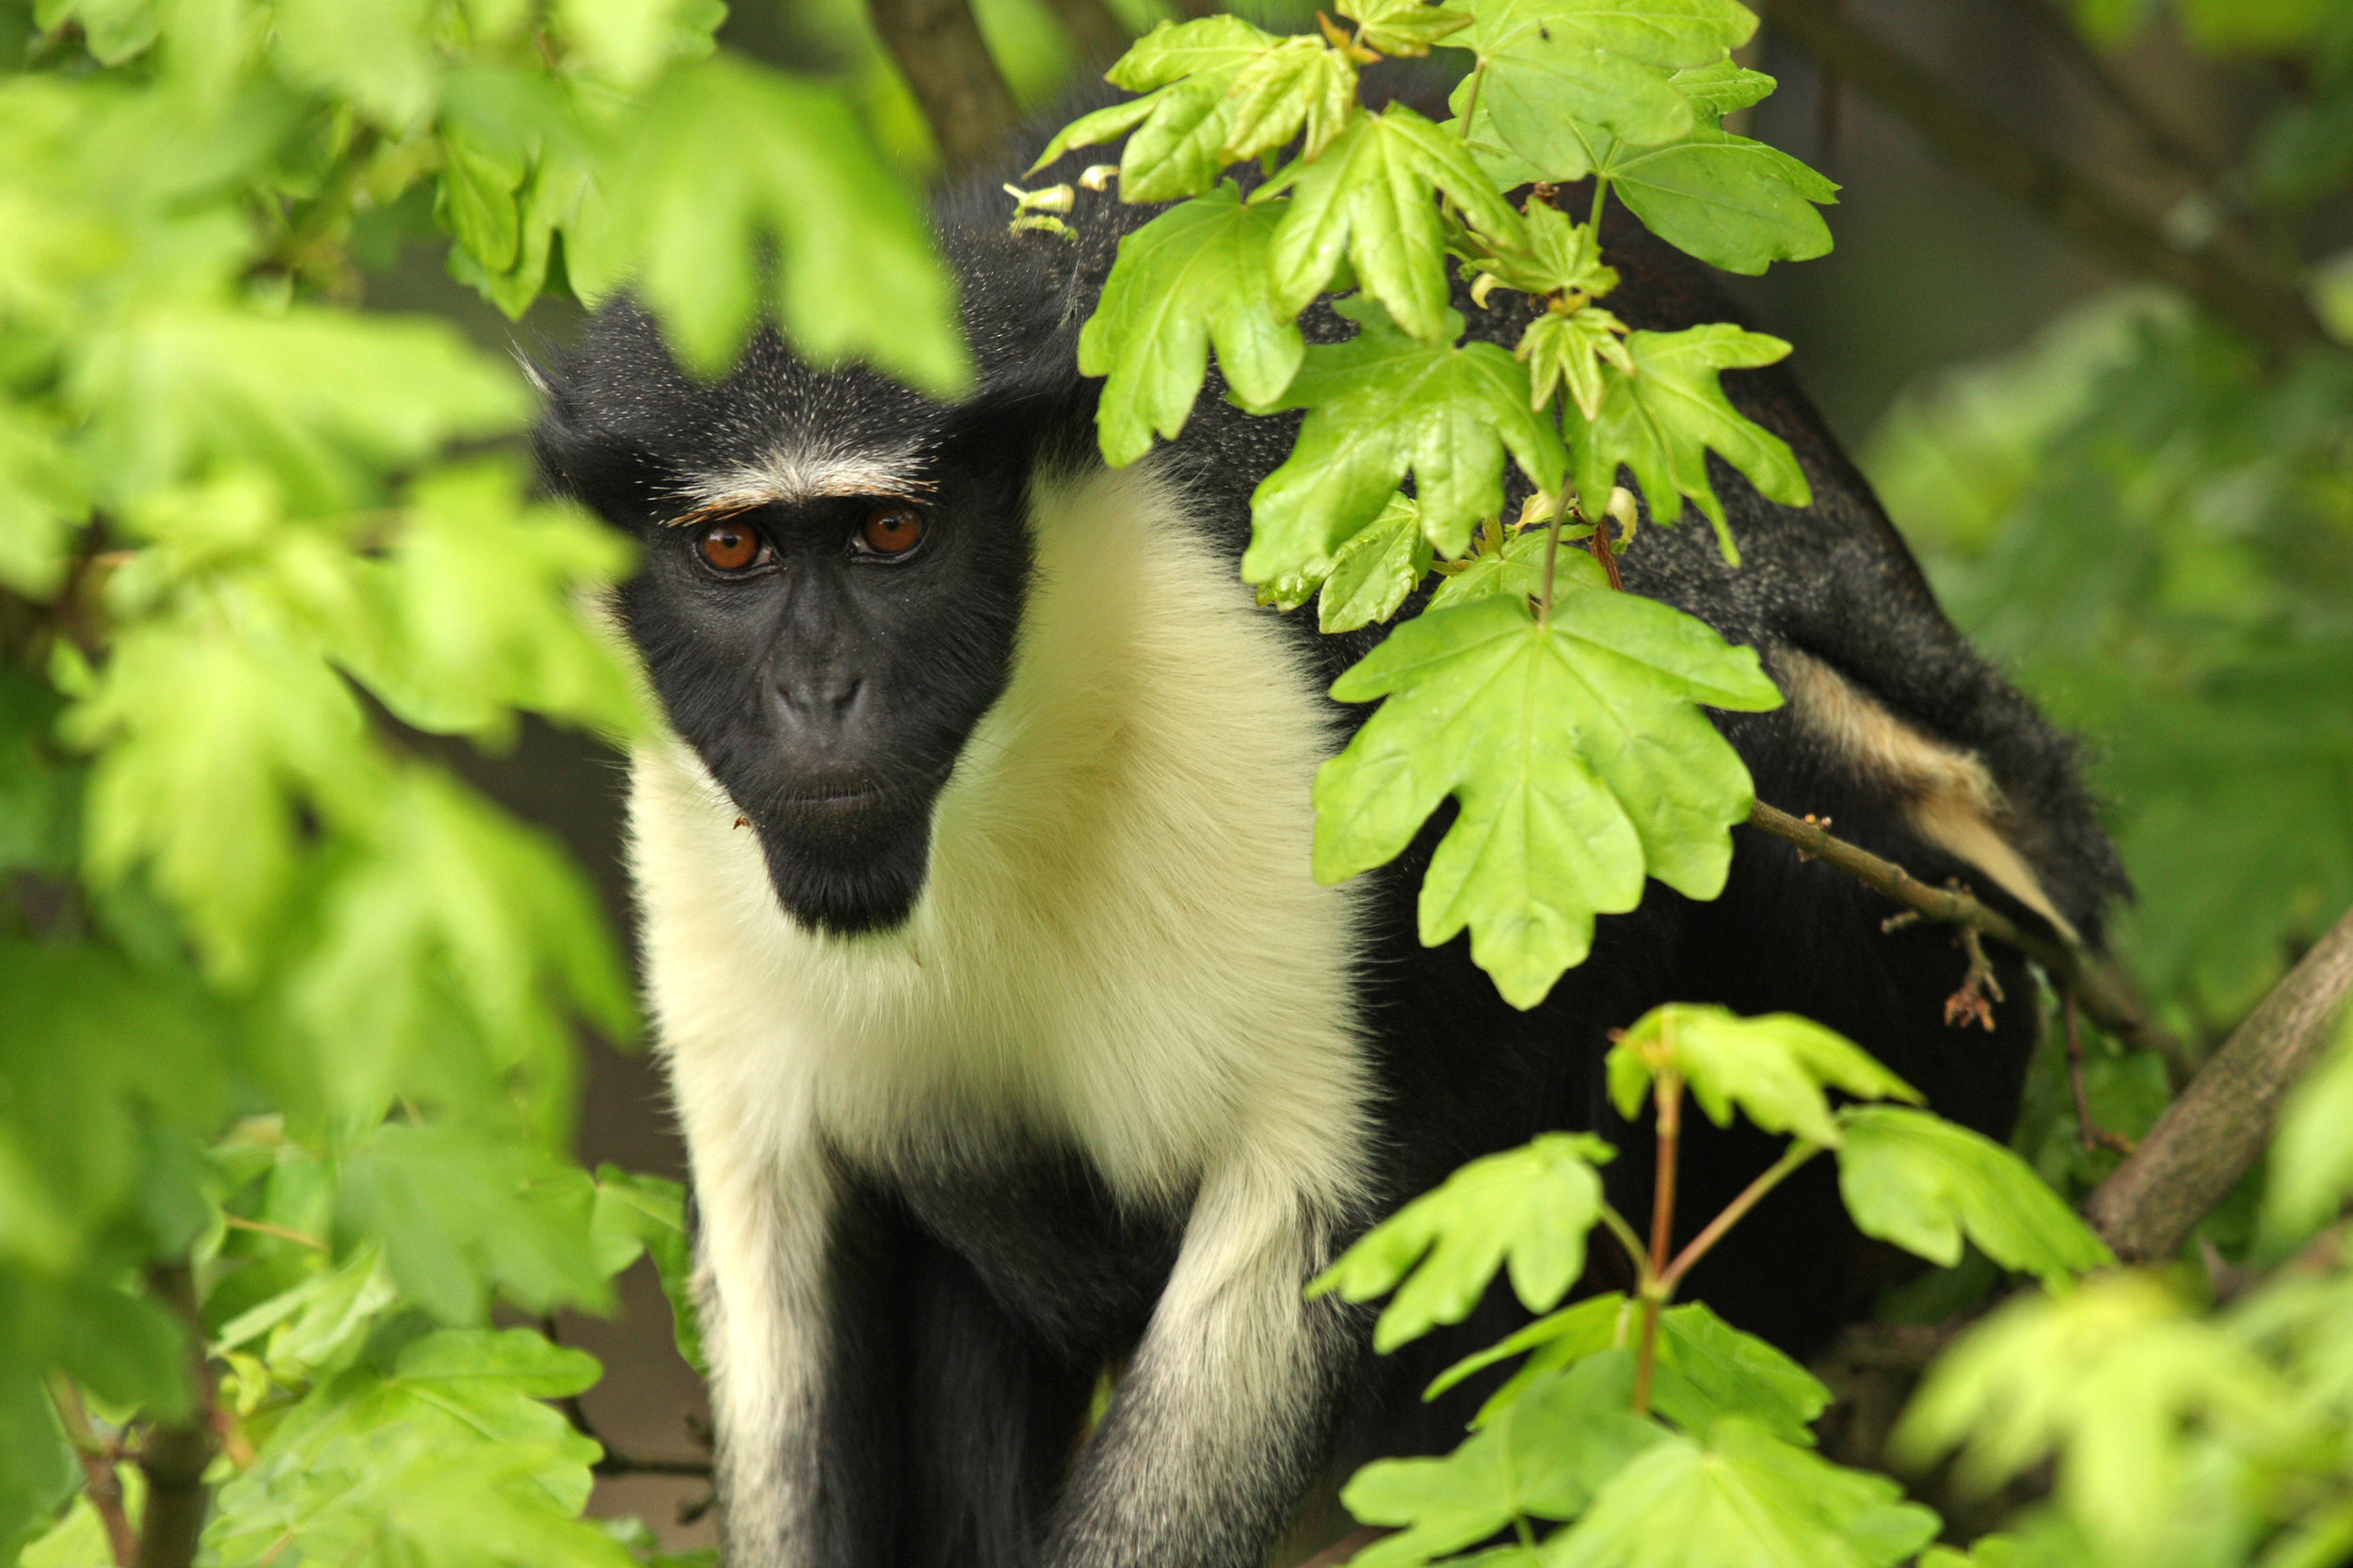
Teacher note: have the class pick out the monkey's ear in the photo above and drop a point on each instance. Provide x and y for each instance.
(582, 458)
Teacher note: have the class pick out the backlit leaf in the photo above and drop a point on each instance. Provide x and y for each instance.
(1529, 1207)
(1578, 753)
(1773, 1070)
(1664, 417)
(1923, 1183)
(1380, 406)
(1193, 275)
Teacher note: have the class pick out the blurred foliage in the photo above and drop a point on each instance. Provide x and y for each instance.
(287, 1075)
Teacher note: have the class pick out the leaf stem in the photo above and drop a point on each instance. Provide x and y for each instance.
(1666, 1091)
(1616, 1223)
(263, 1228)
(1552, 552)
(1754, 1193)
(1471, 104)
(1601, 200)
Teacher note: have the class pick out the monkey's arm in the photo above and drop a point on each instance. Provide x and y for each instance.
(1230, 1401)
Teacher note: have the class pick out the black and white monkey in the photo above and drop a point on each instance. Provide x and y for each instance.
(1011, 1036)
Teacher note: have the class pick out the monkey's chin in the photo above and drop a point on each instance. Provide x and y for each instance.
(848, 866)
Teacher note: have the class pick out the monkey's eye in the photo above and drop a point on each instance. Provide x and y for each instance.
(889, 531)
(727, 546)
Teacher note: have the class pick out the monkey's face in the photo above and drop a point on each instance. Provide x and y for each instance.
(831, 578)
(828, 658)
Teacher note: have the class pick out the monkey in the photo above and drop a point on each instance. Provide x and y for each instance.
(1012, 1038)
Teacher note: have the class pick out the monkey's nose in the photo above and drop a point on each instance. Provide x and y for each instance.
(820, 700)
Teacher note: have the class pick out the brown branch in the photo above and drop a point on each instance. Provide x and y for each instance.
(938, 49)
(2212, 1135)
(102, 1483)
(2065, 39)
(176, 1453)
(2101, 992)
(2229, 276)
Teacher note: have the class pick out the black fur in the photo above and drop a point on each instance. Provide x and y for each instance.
(972, 1320)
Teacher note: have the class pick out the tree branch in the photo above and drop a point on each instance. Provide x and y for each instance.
(2213, 1134)
(177, 1453)
(2228, 277)
(2097, 987)
(938, 49)
(2065, 39)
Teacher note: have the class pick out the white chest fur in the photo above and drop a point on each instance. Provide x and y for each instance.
(1119, 948)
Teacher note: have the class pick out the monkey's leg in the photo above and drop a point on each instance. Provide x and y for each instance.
(1228, 1404)
(994, 1414)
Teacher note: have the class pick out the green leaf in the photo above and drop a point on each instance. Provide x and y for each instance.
(1518, 567)
(461, 1216)
(1550, 64)
(1662, 417)
(1301, 83)
(1543, 1458)
(725, 156)
(1376, 570)
(1403, 28)
(1707, 1370)
(651, 1213)
(114, 31)
(1195, 274)
(1742, 1497)
(37, 1468)
(2116, 1377)
(1382, 404)
(1531, 1207)
(377, 53)
(628, 41)
(1772, 1068)
(1559, 1340)
(478, 612)
(1371, 198)
(1190, 72)
(1735, 203)
(1923, 1183)
(1578, 753)
(1715, 91)
(181, 392)
(1569, 349)
(43, 499)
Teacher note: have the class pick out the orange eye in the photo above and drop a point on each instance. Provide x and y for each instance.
(727, 546)
(890, 531)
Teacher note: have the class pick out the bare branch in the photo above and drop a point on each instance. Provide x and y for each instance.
(2229, 276)
(2101, 992)
(2066, 41)
(102, 1483)
(938, 49)
(2212, 1135)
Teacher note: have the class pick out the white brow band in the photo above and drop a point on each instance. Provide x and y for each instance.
(790, 479)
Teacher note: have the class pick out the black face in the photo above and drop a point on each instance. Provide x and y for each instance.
(828, 661)
(828, 658)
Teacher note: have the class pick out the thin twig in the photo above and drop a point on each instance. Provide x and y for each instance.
(1734, 1212)
(2104, 995)
(1666, 1091)
(263, 1228)
(2212, 1135)
(1617, 1226)
(2230, 276)
(102, 1483)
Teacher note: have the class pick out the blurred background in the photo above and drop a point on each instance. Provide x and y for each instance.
(2076, 328)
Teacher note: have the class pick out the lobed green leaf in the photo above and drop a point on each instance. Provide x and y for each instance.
(1528, 1206)
(1772, 1068)
(1923, 1183)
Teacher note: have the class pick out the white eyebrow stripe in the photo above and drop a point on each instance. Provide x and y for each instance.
(792, 478)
